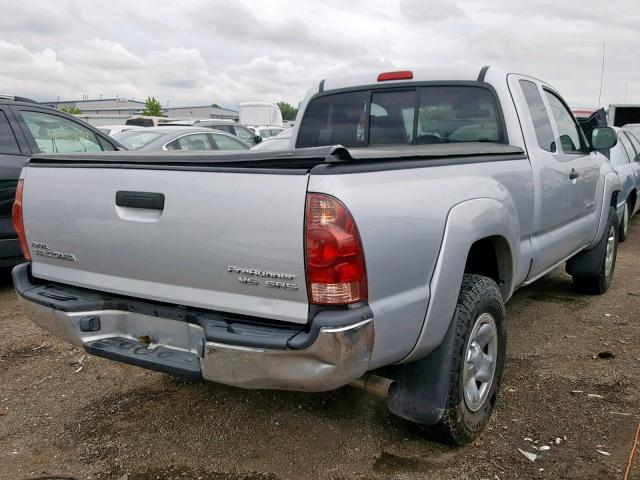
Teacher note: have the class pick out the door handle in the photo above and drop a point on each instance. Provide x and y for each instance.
(573, 174)
(149, 200)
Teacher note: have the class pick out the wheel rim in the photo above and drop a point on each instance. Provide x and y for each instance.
(625, 219)
(480, 361)
(611, 244)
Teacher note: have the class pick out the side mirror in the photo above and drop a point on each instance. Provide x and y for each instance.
(603, 138)
(258, 139)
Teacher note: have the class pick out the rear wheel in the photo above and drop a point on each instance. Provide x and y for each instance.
(605, 254)
(624, 223)
(476, 364)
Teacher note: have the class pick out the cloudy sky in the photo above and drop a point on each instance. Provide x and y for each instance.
(228, 51)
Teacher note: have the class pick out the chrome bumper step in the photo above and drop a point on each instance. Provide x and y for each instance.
(159, 358)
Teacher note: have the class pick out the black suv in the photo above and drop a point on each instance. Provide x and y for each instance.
(27, 128)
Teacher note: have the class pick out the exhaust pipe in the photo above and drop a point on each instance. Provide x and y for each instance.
(375, 385)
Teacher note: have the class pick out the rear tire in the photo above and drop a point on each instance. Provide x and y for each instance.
(624, 223)
(607, 251)
(477, 362)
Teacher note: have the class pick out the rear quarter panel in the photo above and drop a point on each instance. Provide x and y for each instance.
(401, 216)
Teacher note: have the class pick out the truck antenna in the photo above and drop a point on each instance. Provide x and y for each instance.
(604, 44)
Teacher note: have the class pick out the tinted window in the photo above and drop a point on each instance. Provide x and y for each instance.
(54, 134)
(195, 141)
(335, 120)
(224, 128)
(8, 143)
(224, 142)
(446, 114)
(567, 128)
(391, 117)
(136, 139)
(539, 116)
(458, 114)
(140, 122)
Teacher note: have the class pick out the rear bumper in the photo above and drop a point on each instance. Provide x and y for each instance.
(333, 352)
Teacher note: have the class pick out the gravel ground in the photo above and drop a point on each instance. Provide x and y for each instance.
(112, 421)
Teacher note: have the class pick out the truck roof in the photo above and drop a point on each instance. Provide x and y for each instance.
(420, 74)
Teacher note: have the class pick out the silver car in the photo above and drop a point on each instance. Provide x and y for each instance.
(180, 138)
(624, 158)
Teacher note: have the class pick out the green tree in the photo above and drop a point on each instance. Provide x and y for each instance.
(288, 111)
(215, 105)
(152, 107)
(72, 110)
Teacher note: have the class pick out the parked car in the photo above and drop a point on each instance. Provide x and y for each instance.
(625, 158)
(267, 132)
(279, 142)
(112, 130)
(633, 129)
(27, 128)
(388, 241)
(229, 126)
(180, 138)
(148, 121)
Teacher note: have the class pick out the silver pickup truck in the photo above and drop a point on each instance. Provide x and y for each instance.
(379, 252)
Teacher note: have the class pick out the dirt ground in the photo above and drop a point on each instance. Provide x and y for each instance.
(112, 421)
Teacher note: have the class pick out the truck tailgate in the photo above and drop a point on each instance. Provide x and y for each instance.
(215, 230)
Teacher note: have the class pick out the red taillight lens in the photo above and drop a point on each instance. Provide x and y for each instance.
(336, 272)
(400, 75)
(18, 224)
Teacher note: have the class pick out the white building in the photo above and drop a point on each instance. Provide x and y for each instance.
(115, 111)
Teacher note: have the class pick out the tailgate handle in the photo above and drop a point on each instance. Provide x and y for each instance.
(149, 200)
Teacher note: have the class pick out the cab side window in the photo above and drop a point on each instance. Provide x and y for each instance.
(539, 116)
(55, 134)
(568, 130)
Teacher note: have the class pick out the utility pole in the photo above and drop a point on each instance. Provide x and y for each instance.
(604, 45)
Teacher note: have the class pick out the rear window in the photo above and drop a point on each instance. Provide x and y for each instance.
(427, 115)
(136, 139)
(140, 122)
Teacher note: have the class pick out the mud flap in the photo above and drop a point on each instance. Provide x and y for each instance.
(422, 386)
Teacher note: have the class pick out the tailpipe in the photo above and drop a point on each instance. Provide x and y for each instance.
(375, 385)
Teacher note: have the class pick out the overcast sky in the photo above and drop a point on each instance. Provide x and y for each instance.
(228, 51)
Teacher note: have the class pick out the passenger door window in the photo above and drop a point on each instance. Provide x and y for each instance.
(539, 116)
(225, 142)
(636, 145)
(195, 141)
(56, 134)
(8, 142)
(568, 129)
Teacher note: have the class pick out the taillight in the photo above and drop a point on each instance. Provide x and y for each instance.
(400, 75)
(336, 272)
(18, 224)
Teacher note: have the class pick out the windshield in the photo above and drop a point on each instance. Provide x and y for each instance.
(426, 115)
(136, 139)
